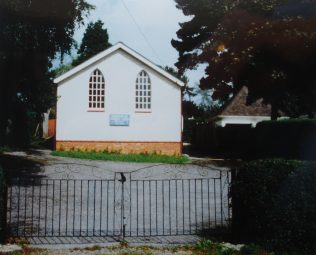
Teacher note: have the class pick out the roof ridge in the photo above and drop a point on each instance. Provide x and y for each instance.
(128, 50)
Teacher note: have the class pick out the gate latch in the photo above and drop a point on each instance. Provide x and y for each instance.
(123, 178)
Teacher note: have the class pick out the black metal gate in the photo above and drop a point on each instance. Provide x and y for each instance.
(120, 206)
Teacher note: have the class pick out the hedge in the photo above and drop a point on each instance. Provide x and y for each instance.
(3, 206)
(274, 204)
(290, 139)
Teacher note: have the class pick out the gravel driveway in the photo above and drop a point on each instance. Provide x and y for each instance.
(84, 198)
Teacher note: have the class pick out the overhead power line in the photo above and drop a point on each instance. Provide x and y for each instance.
(141, 31)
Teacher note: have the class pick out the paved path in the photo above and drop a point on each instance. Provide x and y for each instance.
(48, 166)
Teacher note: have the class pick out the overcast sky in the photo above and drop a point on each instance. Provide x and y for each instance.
(159, 21)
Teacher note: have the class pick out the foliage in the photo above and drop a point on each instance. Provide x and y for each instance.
(95, 40)
(150, 158)
(266, 45)
(280, 213)
(4, 149)
(64, 68)
(177, 74)
(32, 33)
(288, 138)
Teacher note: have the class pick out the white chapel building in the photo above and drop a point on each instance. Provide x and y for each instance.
(119, 101)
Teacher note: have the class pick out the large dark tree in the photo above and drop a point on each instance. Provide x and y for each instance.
(32, 32)
(268, 46)
(95, 40)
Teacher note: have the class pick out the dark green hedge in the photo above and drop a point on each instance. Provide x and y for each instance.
(3, 206)
(274, 204)
(290, 139)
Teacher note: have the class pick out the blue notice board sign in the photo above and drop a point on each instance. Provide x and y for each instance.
(119, 120)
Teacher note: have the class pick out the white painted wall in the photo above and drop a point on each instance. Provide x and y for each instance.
(76, 123)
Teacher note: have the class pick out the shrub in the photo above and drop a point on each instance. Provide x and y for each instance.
(294, 214)
(292, 139)
(274, 204)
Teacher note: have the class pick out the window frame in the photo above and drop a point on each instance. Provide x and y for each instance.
(143, 93)
(96, 89)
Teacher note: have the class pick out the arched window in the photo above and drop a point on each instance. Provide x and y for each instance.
(96, 91)
(143, 92)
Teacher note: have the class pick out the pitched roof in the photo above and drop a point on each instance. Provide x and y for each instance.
(119, 46)
(237, 106)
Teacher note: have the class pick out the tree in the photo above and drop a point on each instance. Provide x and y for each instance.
(32, 33)
(265, 45)
(95, 40)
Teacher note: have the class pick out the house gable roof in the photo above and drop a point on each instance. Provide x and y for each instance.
(118, 46)
(237, 106)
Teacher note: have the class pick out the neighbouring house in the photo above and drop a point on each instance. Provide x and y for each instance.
(119, 101)
(236, 111)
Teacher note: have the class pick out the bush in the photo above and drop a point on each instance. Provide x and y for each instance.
(290, 139)
(3, 206)
(274, 204)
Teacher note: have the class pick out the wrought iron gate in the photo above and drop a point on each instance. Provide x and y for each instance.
(117, 207)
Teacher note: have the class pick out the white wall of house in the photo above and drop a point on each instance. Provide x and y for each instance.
(76, 123)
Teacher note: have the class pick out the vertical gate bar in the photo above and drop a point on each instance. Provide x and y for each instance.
(46, 210)
(59, 207)
(67, 191)
(144, 208)
(123, 210)
(156, 207)
(107, 207)
(53, 206)
(215, 205)
(202, 203)
(94, 191)
(130, 205)
(137, 208)
(19, 192)
(39, 207)
(88, 196)
(163, 206)
(32, 212)
(176, 207)
(114, 206)
(195, 207)
(80, 226)
(150, 207)
(74, 212)
(101, 198)
(208, 203)
(182, 205)
(25, 198)
(10, 204)
(189, 182)
(228, 184)
(169, 210)
(221, 190)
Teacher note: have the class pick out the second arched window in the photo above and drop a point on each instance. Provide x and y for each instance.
(143, 92)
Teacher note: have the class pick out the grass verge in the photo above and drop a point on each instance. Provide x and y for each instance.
(150, 158)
